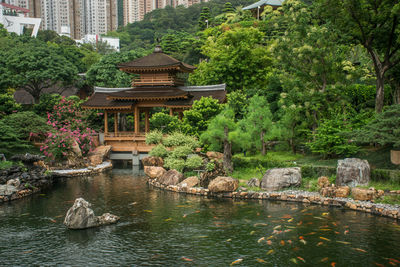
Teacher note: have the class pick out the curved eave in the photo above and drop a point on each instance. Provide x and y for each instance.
(106, 108)
(138, 70)
(146, 97)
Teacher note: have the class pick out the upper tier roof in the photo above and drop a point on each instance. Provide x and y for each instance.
(155, 61)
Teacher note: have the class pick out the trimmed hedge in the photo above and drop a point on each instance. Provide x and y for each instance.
(240, 162)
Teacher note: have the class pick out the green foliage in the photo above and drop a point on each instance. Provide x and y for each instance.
(384, 129)
(46, 104)
(181, 152)
(210, 166)
(361, 95)
(159, 151)
(174, 163)
(5, 164)
(8, 104)
(10, 142)
(193, 162)
(164, 122)
(204, 18)
(154, 137)
(176, 139)
(196, 120)
(237, 101)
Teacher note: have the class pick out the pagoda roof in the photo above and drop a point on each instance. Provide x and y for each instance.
(99, 100)
(197, 92)
(274, 3)
(149, 93)
(155, 61)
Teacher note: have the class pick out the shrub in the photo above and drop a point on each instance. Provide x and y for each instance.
(8, 104)
(46, 104)
(165, 122)
(154, 137)
(159, 151)
(194, 162)
(173, 163)
(10, 142)
(181, 152)
(180, 139)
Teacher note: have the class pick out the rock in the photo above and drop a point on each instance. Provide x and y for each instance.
(154, 172)
(153, 161)
(214, 155)
(100, 154)
(279, 178)
(208, 176)
(171, 177)
(75, 148)
(14, 182)
(7, 190)
(223, 184)
(253, 182)
(342, 191)
(323, 181)
(329, 191)
(189, 182)
(81, 216)
(364, 194)
(27, 158)
(353, 172)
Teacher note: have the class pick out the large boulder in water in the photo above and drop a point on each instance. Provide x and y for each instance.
(81, 216)
(352, 172)
(171, 177)
(191, 181)
(223, 184)
(154, 172)
(100, 154)
(279, 178)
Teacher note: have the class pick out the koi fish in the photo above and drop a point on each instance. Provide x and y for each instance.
(379, 265)
(320, 243)
(133, 203)
(269, 242)
(295, 249)
(252, 232)
(286, 216)
(270, 251)
(261, 239)
(323, 238)
(59, 216)
(282, 242)
(236, 261)
(290, 220)
(392, 263)
(346, 232)
(394, 260)
(270, 237)
(325, 214)
(311, 233)
(301, 237)
(148, 211)
(334, 224)
(260, 224)
(325, 229)
(319, 218)
(184, 215)
(261, 260)
(343, 242)
(300, 258)
(333, 264)
(303, 241)
(325, 259)
(277, 227)
(53, 221)
(289, 241)
(229, 240)
(293, 260)
(299, 223)
(186, 259)
(360, 249)
(337, 232)
(169, 219)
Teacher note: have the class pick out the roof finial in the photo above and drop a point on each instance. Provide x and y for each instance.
(158, 49)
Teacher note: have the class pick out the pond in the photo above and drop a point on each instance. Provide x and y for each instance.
(159, 228)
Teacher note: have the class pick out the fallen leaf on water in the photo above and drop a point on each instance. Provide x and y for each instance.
(53, 221)
(261, 260)
(303, 241)
(252, 232)
(236, 261)
(269, 216)
(320, 243)
(309, 223)
(282, 242)
(270, 251)
(343, 242)
(300, 258)
(293, 260)
(323, 238)
(333, 264)
(325, 259)
(270, 237)
(360, 249)
(261, 239)
(186, 259)
(293, 208)
(378, 264)
(147, 210)
(346, 232)
(168, 219)
(269, 242)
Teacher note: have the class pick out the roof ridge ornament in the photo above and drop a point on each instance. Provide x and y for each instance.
(158, 49)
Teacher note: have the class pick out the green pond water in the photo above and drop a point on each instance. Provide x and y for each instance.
(160, 228)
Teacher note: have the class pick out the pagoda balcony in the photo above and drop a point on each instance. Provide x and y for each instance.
(157, 81)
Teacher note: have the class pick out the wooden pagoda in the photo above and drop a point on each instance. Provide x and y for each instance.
(157, 86)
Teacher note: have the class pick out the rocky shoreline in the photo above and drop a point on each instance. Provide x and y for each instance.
(386, 210)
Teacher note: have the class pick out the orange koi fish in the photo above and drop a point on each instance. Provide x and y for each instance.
(333, 264)
(282, 242)
(300, 258)
(379, 265)
(320, 243)
(360, 249)
(186, 259)
(236, 261)
(323, 238)
(346, 232)
(269, 242)
(325, 259)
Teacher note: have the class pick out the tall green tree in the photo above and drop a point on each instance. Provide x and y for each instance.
(204, 19)
(373, 24)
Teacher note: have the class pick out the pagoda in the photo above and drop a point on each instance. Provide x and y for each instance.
(156, 85)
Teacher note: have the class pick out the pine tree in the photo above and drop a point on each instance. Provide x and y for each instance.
(204, 19)
(228, 8)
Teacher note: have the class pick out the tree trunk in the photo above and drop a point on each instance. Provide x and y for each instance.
(263, 144)
(292, 145)
(227, 152)
(380, 93)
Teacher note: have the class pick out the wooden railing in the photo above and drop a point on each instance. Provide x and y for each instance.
(157, 81)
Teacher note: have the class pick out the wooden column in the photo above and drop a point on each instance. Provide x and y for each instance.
(146, 123)
(137, 120)
(105, 122)
(171, 112)
(115, 123)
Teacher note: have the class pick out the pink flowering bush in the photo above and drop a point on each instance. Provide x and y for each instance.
(69, 128)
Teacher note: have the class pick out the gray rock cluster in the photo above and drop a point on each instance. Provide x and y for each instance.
(353, 172)
(279, 178)
(81, 216)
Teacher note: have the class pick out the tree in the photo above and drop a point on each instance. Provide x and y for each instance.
(204, 18)
(219, 132)
(257, 124)
(34, 67)
(237, 57)
(373, 24)
(228, 8)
